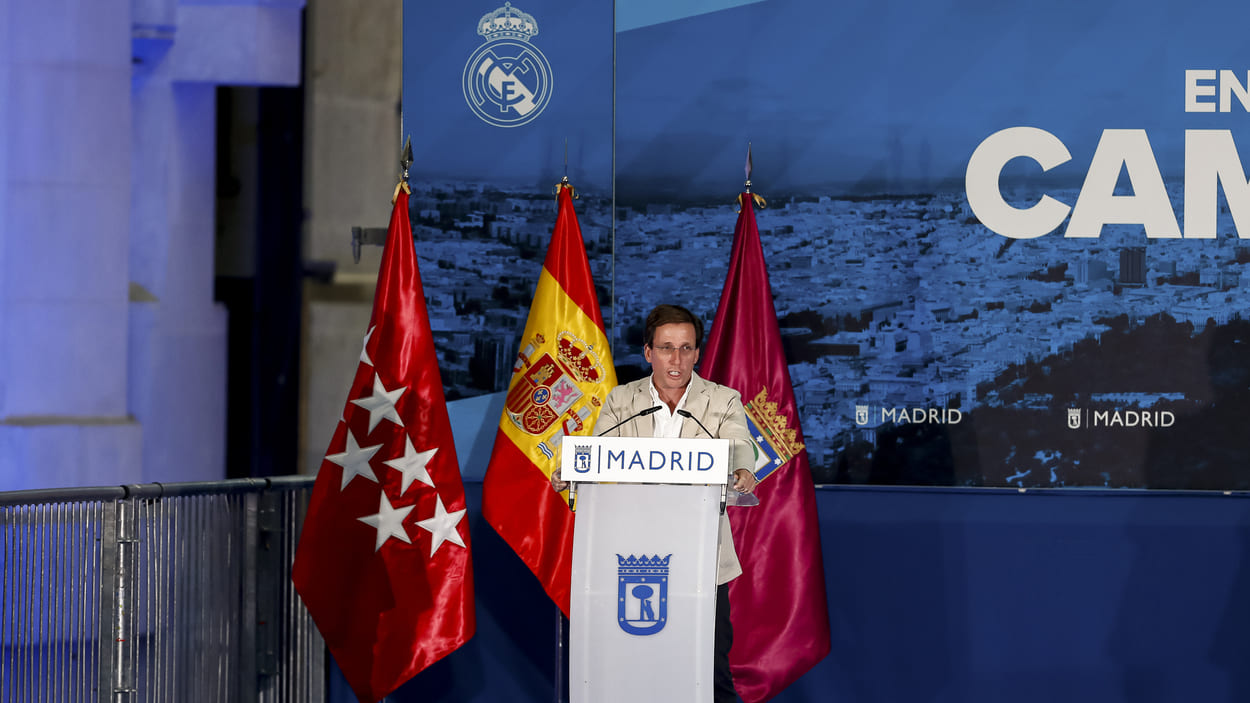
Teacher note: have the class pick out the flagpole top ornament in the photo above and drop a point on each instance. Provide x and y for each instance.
(564, 183)
(757, 199)
(405, 160)
(748, 168)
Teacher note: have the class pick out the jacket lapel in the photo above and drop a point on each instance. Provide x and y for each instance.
(697, 404)
(642, 401)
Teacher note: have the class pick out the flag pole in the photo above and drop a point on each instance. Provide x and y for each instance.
(755, 197)
(562, 634)
(561, 655)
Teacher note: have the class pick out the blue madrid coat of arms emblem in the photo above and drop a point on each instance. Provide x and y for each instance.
(507, 81)
(642, 593)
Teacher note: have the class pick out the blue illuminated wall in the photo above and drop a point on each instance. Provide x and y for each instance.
(112, 352)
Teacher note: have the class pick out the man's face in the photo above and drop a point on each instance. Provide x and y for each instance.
(671, 366)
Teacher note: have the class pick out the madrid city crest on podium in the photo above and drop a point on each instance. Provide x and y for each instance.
(642, 593)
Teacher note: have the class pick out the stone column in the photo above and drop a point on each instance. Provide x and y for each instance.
(352, 145)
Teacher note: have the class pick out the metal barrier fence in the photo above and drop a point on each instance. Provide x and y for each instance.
(175, 592)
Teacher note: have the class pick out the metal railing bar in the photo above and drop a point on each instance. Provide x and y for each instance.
(39, 619)
(24, 674)
(67, 617)
(84, 588)
(47, 571)
(73, 631)
(19, 613)
(15, 617)
(291, 483)
(6, 533)
(185, 592)
(156, 624)
(58, 587)
(52, 621)
(79, 513)
(236, 486)
(143, 635)
(39, 496)
(177, 597)
(106, 610)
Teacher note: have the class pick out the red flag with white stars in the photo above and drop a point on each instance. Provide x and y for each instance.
(383, 561)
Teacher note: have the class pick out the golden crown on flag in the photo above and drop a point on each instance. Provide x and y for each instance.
(578, 358)
(775, 425)
(507, 23)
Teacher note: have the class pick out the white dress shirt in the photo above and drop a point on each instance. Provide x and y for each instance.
(667, 423)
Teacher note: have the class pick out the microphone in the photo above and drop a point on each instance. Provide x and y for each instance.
(724, 490)
(640, 413)
(686, 413)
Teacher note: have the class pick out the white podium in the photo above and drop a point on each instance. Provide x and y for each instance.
(643, 601)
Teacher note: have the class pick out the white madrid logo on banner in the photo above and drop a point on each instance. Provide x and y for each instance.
(507, 81)
(1074, 418)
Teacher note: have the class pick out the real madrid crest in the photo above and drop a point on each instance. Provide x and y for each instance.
(507, 81)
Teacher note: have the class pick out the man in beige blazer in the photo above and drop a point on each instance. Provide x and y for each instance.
(671, 342)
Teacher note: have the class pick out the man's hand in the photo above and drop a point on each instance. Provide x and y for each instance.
(744, 481)
(556, 483)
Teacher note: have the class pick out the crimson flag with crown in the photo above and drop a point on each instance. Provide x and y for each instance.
(778, 607)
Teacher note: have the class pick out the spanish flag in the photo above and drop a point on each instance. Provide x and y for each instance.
(562, 375)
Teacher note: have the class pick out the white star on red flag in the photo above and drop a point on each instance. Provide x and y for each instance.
(355, 460)
(389, 521)
(412, 465)
(442, 527)
(381, 405)
(364, 346)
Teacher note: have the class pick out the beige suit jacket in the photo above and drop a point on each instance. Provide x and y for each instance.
(719, 408)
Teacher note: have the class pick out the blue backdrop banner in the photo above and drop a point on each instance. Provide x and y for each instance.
(1006, 241)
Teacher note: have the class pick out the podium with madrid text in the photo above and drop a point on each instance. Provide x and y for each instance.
(643, 597)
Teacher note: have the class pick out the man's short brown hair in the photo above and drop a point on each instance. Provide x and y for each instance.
(669, 315)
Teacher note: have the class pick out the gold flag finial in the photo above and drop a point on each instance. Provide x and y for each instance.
(756, 198)
(405, 160)
(564, 183)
